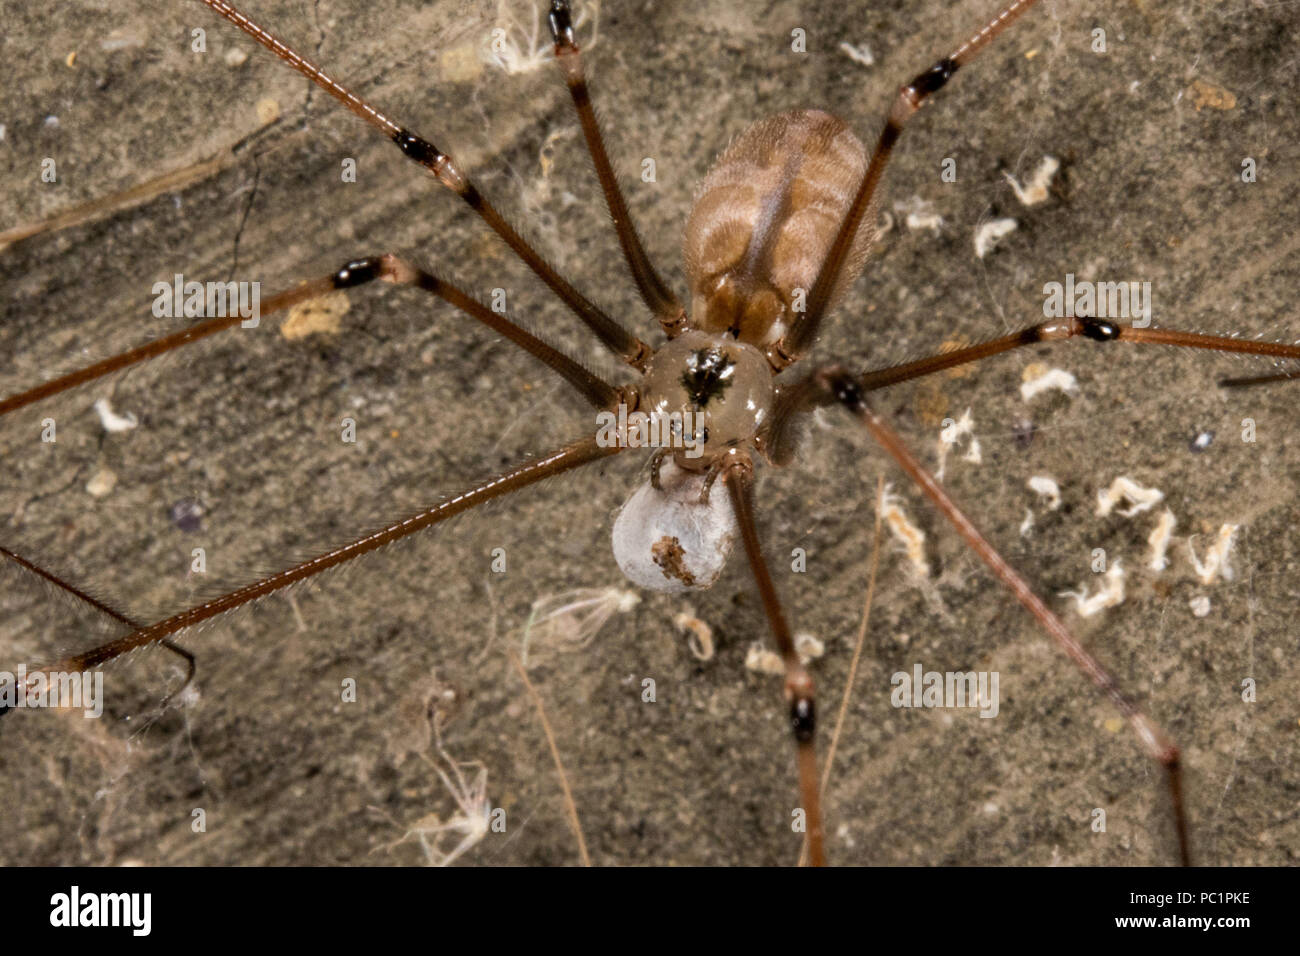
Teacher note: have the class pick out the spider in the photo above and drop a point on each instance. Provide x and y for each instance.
(267, 614)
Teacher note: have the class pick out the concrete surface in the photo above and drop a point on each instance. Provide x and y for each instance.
(248, 426)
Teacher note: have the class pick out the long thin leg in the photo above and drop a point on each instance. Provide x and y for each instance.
(529, 472)
(64, 585)
(1248, 380)
(1097, 330)
(424, 153)
(796, 398)
(838, 383)
(800, 691)
(357, 272)
(803, 330)
(656, 295)
(201, 330)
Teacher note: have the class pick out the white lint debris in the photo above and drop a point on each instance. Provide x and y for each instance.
(1036, 186)
(909, 535)
(445, 841)
(860, 54)
(1045, 487)
(566, 622)
(1216, 558)
(1126, 489)
(808, 646)
(1159, 540)
(1052, 378)
(1027, 525)
(665, 539)
(1200, 605)
(110, 420)
(1109, 594)
(760, 660)
(952, 433)
(989, 234)
(919, 213)
(699, 636)
(518, 48)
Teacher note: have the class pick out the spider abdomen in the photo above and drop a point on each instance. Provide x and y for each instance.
(764, 219)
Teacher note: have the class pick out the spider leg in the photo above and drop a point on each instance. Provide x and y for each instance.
(357, 272)
(654, 292)
(843, 387)
(201, 330)
(1097, 330)
(68, 587)
(792, 400)
(526, 473)
(803, 330)
(424, 153)
(800, 690)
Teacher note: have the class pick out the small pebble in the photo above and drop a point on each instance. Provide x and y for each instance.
(186, 514)
(103, 482)
(268, 111)
(1023, 432)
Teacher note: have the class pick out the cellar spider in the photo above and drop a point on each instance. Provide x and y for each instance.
(746, 762)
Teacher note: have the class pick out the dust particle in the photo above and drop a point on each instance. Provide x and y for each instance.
(1215, 97)
(932, 405)
(102, 483)
(322, 315)
(460, 64)
(186, 514)
(268, 111)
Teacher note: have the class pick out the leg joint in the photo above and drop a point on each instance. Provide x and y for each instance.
(803, 718)
(561, 26)
(931, 81)
(418, 149)
(837, 382)
(1099, 330)
(359, 272)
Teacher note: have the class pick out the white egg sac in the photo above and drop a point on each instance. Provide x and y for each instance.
(666, 539)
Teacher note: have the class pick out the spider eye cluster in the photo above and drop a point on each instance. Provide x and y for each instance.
(722, 385)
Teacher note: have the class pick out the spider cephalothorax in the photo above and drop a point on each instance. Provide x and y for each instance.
(721, 385)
